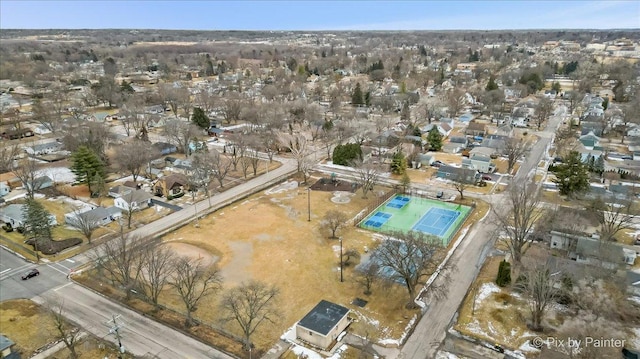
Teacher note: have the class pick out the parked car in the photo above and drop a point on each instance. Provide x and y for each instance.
(487, 178)
(30, 274)
(437, 164)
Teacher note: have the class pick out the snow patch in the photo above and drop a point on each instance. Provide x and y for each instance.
(446, 355)
(485, 291)
(527, 347)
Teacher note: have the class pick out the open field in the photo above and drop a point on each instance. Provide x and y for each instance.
(268, 237)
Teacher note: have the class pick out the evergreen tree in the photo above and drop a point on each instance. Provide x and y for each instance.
(572, 176)
(87, 167)
(200, 118)
(367, 98)
(405, 113)
(345, 154)
(598, 166)
(435, 139)
(37, 221)
(357, 98)
(504, 274)
(556, 87)
(492, 85)
(605, 103)
(126, 88)
(398, 163)
(591, 161)
(423, 50)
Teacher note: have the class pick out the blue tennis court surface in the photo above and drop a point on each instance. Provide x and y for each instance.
(378, 219)
(398, 202)
(436, 221)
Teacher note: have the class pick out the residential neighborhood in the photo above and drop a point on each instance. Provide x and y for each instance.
(319, 194)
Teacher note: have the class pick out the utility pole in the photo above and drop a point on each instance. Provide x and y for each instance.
(115, 330)
(341, 277)
(309, 203)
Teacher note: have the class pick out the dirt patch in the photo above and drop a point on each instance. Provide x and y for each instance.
(327, 184)
(191, 251)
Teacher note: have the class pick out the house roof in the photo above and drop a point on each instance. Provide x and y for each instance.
(484, 151)
(120, 189)
(598, 249)
(138, 195)
(173, 179)
(14, 211)
(633, 279)
(323, 317)
(99, 213)
(476, 126)
(5, 342)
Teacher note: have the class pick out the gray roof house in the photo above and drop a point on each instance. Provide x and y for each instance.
(13, 215)
(633, 283)
(99, 215)
(43, 148)
(480, 163)
(323, 324)
(592, 251)
(39, 183)
(455, 144)
(119, 190)
(7, 348)
(134, 200)
(465, 174)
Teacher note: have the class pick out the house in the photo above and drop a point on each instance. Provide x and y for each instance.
(43, 148)
(480, 163)
(592, 251)
(4, 189)
(386, 139)
(13, 214)
(495, 142)
(590, 140)
(100, 216)
(458, 174)
(7, 348)
(41, 130)
(425, 159)
(119, 191)
(467, 117)
(165, 148)
(323, 324)
(39, 183)
(171, 185)
(455, 144)
(442, 127)
(476, 129)
(482, 151)
(134, 200)
(17, 134)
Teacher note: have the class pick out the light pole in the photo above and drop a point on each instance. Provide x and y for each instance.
(341, 277)
(115, 331)
(309, 203)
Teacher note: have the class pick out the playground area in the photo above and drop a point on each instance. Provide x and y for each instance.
(411, 213)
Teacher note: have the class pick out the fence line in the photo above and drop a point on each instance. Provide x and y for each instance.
(372, 207)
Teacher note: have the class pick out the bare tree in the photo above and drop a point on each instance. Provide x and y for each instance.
(220, 165)
(250, 305)
(565, 140)
(455, 101)
(541, 288)
(514, 148)
(28, 173)
(461, 184)
(194, 281)
(206, 101)
(333, 221)
(85, 223)
(181, 134)
(156, 268)
(348, 255)
(67, 333)
(517, 217)
(298, 146)
(134, 156)
(544, 109)
(8, 154)
(367, 176)
(121, 260)
(204, 171)
(413, 256)
(614, 218)
(232, 109)
(368, 276)
(175, 97)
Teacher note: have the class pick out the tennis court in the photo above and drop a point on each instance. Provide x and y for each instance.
(408, 213)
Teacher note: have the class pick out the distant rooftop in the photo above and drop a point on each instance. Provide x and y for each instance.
(323, 317)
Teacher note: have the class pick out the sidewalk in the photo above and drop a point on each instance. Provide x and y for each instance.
(48, 353)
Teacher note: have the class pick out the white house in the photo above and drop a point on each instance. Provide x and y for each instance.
(13, 214)
(134, 200)
(323, 324)
(100, 216)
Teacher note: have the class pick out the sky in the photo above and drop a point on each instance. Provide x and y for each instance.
(319, 15)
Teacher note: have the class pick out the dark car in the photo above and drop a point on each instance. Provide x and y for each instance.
(437, 164)
(487, 178)
(30, 274)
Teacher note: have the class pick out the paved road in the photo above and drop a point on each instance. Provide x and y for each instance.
(468, 258)
(140, 335)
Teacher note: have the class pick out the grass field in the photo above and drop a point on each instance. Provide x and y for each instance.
(412, 213)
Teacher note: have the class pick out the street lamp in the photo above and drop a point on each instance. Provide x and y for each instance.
(341, 277)
(309, 203)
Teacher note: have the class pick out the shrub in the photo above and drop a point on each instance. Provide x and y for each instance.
(53, 247)
(504, 274)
